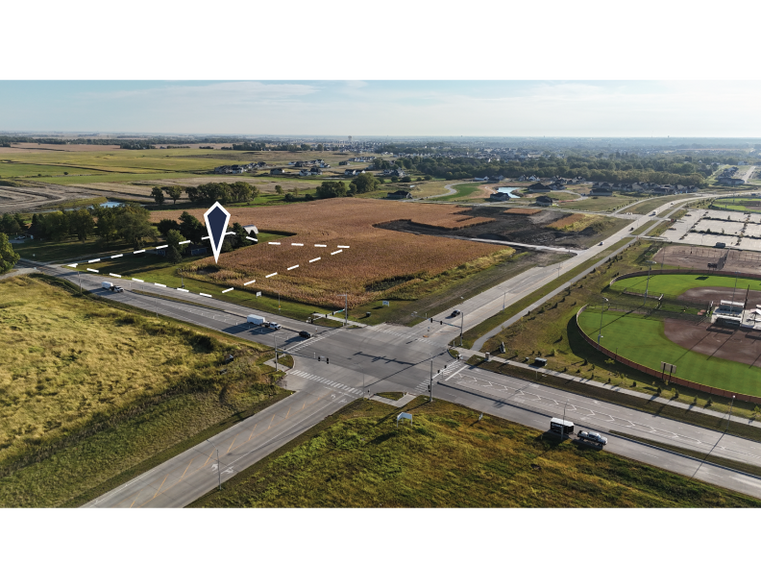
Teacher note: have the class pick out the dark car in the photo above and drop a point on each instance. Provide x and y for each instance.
(455, 313)
(305, 334)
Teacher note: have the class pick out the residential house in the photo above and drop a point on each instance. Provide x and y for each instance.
(499, 197)
(538, 187)
(277, 171)
(544, 201)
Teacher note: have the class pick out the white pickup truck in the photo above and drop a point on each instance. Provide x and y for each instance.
(592, 437)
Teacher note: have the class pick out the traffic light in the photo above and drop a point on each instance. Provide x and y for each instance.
(327, 359)
(441, 322)
(431, 319)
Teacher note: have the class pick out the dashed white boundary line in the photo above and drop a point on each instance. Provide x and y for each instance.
(137, 280)
(118, 255)
(162, 246)
(315, 259)
(183, 290)
(207, 295)
(297, 244)
(115, 275)
(251, 282)
(292, 267)
(273, 242)
(320, 245)
(136, 252)
(337, 251)
(94, 260)
(89, 269)
(228, 290)
(157, 284)
(270, 275)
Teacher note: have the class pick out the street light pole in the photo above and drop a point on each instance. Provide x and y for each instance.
(275, 335)
(730, 413)
(503, 300)
(462, 324)
(219, 470)
(430, 384)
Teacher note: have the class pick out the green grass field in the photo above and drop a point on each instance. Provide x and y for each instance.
(676, 284)
(90, 391)
(24, 170)
(447, 458)
(643, 340)
(462, 191)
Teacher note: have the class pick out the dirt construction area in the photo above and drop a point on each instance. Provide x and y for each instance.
(42, 197)
(730, 260)
(532, 230)
(742, 345)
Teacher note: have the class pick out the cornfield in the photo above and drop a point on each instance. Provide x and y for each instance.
(376, 263)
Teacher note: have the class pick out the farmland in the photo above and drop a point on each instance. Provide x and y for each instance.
(376, 264)
(447, 458)
(89, 391)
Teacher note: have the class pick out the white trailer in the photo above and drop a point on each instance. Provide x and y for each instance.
(257, 320)
(106, 285)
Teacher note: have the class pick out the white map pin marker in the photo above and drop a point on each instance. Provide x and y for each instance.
(216, 219)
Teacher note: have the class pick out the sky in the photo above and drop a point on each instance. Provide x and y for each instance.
(395, 108)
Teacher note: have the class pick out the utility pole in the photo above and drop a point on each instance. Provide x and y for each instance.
(219, 470)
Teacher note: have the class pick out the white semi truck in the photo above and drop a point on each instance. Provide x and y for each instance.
(112, 287)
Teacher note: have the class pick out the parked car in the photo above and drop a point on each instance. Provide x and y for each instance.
(305, 334)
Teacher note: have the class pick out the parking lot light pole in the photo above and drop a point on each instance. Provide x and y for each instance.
(219, 470)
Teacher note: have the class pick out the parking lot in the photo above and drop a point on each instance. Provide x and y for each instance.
(735, 229)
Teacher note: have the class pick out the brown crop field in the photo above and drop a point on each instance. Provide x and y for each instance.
(376, 263)
(452, 222)
(523, 211)
(567, 221)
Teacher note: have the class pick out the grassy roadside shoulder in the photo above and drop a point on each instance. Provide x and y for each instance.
(445, 458)
(470, 336)
(79, 418)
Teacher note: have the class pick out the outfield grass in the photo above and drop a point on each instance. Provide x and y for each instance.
(89, 391)
(677, 284)
(446, 457)
(644, 341)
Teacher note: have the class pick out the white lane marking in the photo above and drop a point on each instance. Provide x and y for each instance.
(342, 246)
(223, 291)
(251, 282)
(137, 280)
(297, 244)
(89, 269)
(207, 295)
(136, 252)
(184, 242)
(115, 275)
(273, 243)
(94, 260)
(315, 259)
(292, 267)
(162, 246)
(182, 290)
(320, 245)
(338, 251)
(272, 274)
(157, 284)
(457, 372)
(252, 239)
(119, 255)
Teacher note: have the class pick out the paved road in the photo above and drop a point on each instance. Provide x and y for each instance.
(393, 358)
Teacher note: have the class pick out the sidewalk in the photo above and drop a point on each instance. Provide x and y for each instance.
(466, 354)
(407, 398)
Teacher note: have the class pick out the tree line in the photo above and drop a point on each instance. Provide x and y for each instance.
(612, 168)
(207, 193)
